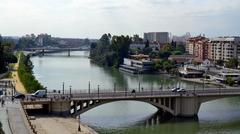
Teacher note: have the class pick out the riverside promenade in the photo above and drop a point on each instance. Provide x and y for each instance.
(13, 119)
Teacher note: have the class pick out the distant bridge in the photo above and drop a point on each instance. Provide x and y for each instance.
(177, 104)
(43, 50)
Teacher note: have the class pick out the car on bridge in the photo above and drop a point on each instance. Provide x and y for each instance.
(19, 96)
(175, 89)
(181, 90)
(40, 94)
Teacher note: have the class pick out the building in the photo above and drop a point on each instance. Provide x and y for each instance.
(159, 37)
(198, 47)
(223, 76)
(181, 39)
(154, 46)
(188, 72)
(180, 59)
(224, 48)
(137, 66)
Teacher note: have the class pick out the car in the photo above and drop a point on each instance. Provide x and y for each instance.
(181, 90)
(39, 94)
(175, 89)
(19, 96)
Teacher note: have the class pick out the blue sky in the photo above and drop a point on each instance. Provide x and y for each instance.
(92, 18)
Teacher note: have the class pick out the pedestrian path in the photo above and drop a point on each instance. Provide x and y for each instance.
(4, 120)
(12, 118)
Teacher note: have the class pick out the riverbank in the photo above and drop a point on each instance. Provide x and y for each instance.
(58, 125)
(15, 77)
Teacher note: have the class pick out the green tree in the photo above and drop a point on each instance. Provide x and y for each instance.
(2, 60)
(158, 65)
(220, 62)
(232, 63)
(167, 65)
(230, 81)
(168, 48)
(110, 50)
(180, 48)
(164, 54)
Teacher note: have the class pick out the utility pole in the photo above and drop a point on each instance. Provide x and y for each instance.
(139, 86)
(79, 124)
(89, 87)
(70, 91)
(98, 91)
(63, 88)
(114, 87)
(151, 89)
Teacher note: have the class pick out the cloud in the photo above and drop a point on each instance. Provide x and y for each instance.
(81, 18)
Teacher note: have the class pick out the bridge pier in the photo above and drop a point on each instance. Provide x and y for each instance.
(43, 51)
(60, 108)
(69, 53)
(186, 106)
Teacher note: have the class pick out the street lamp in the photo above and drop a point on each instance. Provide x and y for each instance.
(203, 84)
(89, 87)
(139, 86)
(79, 124)
(70, 91)
(98, 91)
(114, 87)
(63, 88)
(151, 89)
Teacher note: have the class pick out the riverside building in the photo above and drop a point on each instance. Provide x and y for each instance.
(224, 48)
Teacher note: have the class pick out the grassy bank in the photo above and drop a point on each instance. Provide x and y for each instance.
(25, 74)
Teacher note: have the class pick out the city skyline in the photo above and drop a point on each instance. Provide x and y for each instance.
(91, 19)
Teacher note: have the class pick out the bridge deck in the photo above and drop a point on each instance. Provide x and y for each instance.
(131, 96)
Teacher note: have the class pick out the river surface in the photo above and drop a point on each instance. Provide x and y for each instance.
(131, 117)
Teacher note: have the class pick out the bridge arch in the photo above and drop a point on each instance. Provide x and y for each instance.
(80, 107)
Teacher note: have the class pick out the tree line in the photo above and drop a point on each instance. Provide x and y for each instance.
(25, 74)
(6, 54)
(110, 50)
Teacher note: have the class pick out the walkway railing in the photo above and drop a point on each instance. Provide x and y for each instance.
(83, 95)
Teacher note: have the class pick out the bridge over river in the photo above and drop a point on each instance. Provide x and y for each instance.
(185, 104)
(43, 50)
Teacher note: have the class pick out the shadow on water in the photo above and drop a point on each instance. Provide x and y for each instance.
(159, 122)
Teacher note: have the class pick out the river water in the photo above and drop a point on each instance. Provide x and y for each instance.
(219, 116)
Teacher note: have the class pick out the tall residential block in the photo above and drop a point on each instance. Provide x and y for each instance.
(224, 48)
(157, 37)
(198, 47)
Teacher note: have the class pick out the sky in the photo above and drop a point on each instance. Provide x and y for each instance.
(92, 18)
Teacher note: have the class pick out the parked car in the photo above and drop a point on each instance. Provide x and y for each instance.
(175, 89)
(19, 96)
(39, 94)
(181, 90)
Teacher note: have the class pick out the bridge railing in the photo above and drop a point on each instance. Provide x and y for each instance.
(83, 94)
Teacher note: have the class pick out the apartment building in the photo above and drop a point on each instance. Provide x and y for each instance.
(224, 48)
(198, 47)
(157, 37)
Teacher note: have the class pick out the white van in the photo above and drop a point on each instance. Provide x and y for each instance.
(40, 94)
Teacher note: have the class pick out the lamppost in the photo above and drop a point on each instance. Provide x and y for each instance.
(89, 87)
(70, 91)
(194, 88)
(114, 87)
(139, 86)
(151, 89)
(203, 84)
(98, 91)
(79, 124)
(63, 88)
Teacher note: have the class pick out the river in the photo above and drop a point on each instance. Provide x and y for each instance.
(219, 116)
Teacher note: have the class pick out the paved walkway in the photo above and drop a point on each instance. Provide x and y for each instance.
(12, 119)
